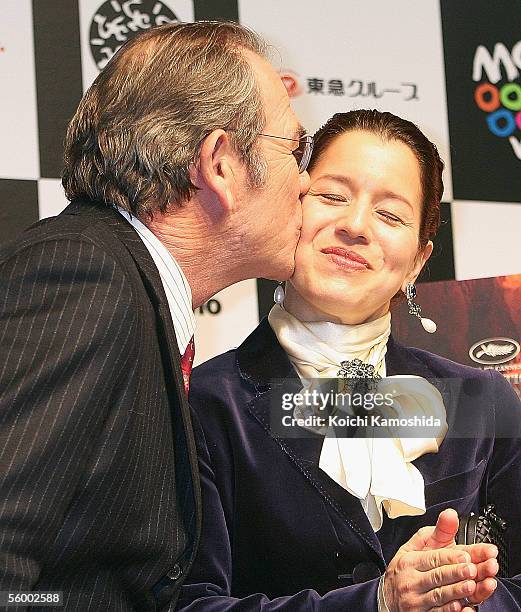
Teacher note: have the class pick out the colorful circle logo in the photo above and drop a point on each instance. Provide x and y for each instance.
(503, 105)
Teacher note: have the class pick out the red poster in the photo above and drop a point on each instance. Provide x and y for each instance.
(479, 323)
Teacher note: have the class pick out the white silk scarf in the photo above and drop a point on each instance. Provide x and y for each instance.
(378, 471)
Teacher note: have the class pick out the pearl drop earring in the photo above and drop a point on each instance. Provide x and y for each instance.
(415, 309)
(279, 294)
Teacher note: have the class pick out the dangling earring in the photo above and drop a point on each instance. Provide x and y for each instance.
(279, 294)
(415, 309)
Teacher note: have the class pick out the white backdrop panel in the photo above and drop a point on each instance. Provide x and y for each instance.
(393, 45)
(19, 156)
(488, 239)
(237, 318)
(51, 198)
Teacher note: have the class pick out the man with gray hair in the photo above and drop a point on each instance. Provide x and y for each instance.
(184, 164)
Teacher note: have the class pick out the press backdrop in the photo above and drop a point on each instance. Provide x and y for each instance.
(453, 67)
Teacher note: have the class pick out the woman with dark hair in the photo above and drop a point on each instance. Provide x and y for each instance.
(301, 513)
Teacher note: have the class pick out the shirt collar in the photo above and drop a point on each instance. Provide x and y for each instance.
(175, 284)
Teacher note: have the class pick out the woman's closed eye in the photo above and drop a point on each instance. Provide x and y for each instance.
(394, 220)
(391, 217)
(332, 197)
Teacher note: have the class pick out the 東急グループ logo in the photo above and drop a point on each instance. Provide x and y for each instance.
(500, 97)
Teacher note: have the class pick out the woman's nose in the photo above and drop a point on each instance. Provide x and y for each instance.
(354, 221)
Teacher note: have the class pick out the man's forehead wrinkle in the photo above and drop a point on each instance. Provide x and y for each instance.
(275, 101)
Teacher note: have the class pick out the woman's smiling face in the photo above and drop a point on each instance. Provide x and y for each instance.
(359, 242)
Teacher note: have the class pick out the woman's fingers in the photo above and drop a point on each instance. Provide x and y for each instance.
(487, 569)
(446, 575)
(453, 606)
(450, 573)
(478, 552)
(431, 559)
(483, 591)
(445, 595)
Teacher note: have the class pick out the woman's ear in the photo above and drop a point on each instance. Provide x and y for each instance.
(215, 172)
(420, 260)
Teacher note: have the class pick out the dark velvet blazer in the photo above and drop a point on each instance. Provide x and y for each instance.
(98, 467)
(279, 534)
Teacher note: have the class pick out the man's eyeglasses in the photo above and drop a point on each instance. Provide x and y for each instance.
(302, 153)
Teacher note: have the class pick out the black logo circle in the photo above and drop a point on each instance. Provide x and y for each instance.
(117, 21)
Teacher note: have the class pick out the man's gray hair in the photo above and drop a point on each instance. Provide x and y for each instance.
(139, 126)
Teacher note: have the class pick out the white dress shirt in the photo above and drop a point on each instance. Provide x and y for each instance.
(175, 284)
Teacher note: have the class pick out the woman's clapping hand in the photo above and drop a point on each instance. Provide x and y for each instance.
(431, 572)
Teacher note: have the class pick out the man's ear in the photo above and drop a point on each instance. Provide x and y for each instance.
(420, 260)
(216, 169)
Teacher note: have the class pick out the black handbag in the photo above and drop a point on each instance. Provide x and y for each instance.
(486, 527)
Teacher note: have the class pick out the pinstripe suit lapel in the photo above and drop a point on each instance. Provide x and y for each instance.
(181, 419)
(186, 471)
(188, 490)
(133, 244)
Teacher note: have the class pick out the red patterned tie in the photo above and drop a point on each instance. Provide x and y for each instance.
(186, 363)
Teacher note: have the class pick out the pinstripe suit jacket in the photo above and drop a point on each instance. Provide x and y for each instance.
(99, 495)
